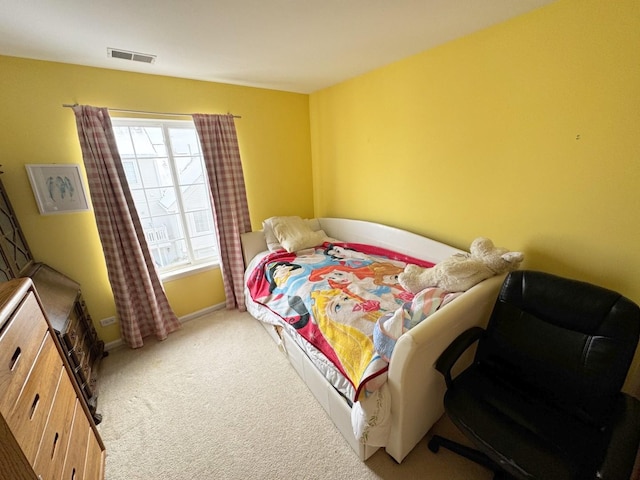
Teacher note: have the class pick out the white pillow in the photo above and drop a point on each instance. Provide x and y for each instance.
(314, 224)
(273, 243)
(294, 234)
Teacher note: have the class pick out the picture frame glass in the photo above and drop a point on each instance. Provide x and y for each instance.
(58, 188)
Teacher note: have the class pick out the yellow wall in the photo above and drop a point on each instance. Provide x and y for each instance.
(527, 132)
(34, 128)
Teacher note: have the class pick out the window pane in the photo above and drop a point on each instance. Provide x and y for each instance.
(195, 197)
(184, 141)
(190, 170)
(166, 238)
(162, 201)
(163, 229)
(132, 174)
(123, 139)
(204, 246)
(200, 222)
(140, 199)
(155, 172)
(181, 254)
(170, 255)
(148, 141)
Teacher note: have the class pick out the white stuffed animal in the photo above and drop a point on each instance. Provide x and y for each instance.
(462, 271)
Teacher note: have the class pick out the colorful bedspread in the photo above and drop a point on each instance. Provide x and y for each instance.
(335, 296)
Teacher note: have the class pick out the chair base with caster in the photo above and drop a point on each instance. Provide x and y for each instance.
(474, 455)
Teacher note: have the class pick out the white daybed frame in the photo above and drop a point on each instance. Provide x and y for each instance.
(417, 389)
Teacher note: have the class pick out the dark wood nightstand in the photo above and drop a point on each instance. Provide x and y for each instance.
(62, 301)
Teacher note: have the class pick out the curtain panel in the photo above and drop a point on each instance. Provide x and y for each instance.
(141, 304)
(219, 143)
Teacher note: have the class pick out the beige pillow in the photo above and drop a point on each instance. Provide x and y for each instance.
(295, 234)
(273, 243)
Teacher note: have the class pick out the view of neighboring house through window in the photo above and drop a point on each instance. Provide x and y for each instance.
(163, 164)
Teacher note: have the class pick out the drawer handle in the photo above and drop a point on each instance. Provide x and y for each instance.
(14, 358)
(55, 444)
(34, 405)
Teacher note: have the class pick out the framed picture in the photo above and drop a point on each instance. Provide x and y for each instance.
(58, 188)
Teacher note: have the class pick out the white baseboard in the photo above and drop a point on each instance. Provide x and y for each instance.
(200, 313)
(184, 319)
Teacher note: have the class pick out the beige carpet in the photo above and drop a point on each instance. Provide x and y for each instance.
(217, 400)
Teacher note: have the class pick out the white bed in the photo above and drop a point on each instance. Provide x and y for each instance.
(416, 388)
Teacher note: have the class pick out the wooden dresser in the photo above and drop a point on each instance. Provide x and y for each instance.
(46, 429)
(62, 301)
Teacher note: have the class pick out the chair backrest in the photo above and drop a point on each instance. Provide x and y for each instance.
(564, 341)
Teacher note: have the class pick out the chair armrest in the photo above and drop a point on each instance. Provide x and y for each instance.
(625, 437)
(449, 357)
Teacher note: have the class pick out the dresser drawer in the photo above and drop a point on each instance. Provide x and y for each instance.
(19, 345)
(94, 468)
(78, 348)
(73, 333)
(77, 450)
(29, 416)
(53, 447)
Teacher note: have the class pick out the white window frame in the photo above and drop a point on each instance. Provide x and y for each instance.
(193, 264)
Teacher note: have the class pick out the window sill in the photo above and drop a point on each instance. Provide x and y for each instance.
(187, 271)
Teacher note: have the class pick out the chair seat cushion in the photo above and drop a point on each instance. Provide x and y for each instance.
(507, 422)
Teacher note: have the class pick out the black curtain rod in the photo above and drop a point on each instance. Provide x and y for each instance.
(143, 112)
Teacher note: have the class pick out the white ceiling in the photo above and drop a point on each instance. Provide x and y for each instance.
(291, 45)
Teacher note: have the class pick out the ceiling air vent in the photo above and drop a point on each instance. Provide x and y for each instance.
(133, 56)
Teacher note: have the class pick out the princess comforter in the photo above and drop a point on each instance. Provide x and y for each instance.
(345, 301)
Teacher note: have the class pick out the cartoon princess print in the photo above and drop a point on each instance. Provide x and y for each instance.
(370, 285)
(347, 331)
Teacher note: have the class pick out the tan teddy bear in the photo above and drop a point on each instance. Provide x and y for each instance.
(462, 271)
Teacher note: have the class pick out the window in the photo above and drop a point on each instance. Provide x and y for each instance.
(166, 174)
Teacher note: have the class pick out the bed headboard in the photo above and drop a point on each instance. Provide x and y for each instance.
(398, 240)
(360, 231)
(252, 244)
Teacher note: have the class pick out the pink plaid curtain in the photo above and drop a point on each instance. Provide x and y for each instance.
(219, 142)
(141, 304)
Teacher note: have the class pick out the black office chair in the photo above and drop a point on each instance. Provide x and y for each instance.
(542, 397)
